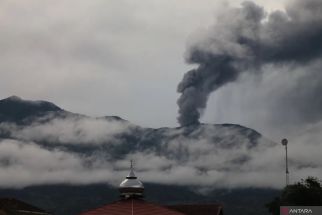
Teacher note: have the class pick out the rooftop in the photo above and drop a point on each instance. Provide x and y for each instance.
(132, 206)
(13, 206)
(197, 209)
(132, 203)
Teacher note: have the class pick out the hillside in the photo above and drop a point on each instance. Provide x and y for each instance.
(46, 148)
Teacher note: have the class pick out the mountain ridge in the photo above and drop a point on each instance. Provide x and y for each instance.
(54, 128)
(105, 143)
(22, 109)
(16, 109)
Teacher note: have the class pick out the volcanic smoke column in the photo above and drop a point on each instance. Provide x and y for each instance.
(198, 83)
(242, 40)
(221, 53)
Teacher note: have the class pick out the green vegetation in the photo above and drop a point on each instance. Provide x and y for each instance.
(307, 192)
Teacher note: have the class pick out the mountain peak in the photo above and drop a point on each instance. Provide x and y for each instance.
(13, 98)
(15, 108)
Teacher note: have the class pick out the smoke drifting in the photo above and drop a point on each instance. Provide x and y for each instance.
(243, 40)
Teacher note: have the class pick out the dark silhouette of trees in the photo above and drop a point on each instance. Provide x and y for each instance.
(307, 192)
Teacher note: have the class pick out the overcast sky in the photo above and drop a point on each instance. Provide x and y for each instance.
(104, 57)
(126, 58)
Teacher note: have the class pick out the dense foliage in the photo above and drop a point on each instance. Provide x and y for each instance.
(307, 192)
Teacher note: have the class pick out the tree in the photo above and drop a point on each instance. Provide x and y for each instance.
(307, 192)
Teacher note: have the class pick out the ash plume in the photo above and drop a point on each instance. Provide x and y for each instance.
(243, 40)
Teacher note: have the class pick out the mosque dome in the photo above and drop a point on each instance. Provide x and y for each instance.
(131, 186)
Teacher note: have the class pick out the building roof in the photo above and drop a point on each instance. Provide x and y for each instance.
(131, 190)
(17, 207)
(197, 209)
(132, 206)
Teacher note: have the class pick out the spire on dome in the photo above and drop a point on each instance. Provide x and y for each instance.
(131, 187)
(131, 174)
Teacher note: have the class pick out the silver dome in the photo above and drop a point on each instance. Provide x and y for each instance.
(131, 181)
(131, 186)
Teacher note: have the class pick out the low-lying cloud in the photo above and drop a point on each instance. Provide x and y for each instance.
(195, 159)
(68, 130)
(43, 152)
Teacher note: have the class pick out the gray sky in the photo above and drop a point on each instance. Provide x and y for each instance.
(124, 58)
(102, 57)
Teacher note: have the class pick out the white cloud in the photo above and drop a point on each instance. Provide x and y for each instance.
(124, 58)
(69, 130)
(190, 161)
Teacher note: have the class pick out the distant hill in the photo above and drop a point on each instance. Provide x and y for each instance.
(23, 113)
(54, 128)
(15, 109)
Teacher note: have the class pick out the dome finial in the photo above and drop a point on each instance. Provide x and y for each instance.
(131, 186)
(131, 175)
